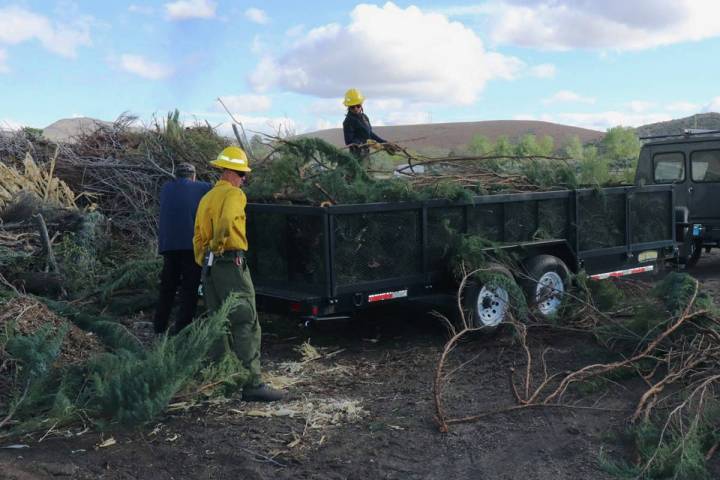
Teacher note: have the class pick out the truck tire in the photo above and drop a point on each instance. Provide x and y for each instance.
(487, 307)
(547, 280)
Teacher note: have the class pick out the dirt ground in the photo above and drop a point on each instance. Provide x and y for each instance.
(364, 410)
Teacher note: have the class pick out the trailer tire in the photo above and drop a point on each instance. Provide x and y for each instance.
(487, 307)
(693, 253)
(547, 280)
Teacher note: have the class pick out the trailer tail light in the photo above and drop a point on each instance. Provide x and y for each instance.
(379, 297)
(315, 310)
(622, 273)
(295, 307)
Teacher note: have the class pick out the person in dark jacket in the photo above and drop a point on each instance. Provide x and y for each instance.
(179, 200)
(357, 128)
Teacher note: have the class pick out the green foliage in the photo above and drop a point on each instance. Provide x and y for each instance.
(79, 263)
(129, 386)
(142, 274)
(33, 134)
(226, 375)
(573, 149)
(135, 389)
(37, 352)
(14, 261)
(593, 169)
(480, 145)
(677, 289)
(605, 294)
(621, 146)
(673, 453)
(110, 332)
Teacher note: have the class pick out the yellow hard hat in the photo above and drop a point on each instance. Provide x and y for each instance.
(353, 97)
(232, 158)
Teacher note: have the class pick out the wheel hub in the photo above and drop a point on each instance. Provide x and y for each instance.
(549, 292)
(492, 306)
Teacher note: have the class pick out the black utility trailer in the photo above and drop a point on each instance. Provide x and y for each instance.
(330, 262)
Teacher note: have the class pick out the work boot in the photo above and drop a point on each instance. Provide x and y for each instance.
(261, 393)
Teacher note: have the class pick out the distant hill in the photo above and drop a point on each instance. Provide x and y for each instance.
(448, 136)
(68, 128)
(709, 121)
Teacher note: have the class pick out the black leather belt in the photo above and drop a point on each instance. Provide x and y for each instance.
(234, 253)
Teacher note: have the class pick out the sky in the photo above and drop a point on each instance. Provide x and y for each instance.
(284, 66)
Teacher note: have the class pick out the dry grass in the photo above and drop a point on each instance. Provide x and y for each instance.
(35, 180)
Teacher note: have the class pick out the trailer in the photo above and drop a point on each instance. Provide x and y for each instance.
(328, 263)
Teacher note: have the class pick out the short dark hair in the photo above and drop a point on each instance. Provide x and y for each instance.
(185, 170)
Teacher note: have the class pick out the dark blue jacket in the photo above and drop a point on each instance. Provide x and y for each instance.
(179, 200)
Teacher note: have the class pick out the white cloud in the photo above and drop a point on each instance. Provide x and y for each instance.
(142, 67)
(327, 106)
(639, 106)
(187, 9)
(19, 25)
(403, 117)
(567, 96)
(257, 46)
(682, 107)
(3, 59)
(605, 120)
(295, 31)
(545, 70)
(246, 103)
(388, 51)
(610, 24)
(141, 9)
(713, 106)
(324, 124)
(256, 15)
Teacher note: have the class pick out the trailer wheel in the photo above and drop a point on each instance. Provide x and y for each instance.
(692, 254)
(487, 306)
(547, 280)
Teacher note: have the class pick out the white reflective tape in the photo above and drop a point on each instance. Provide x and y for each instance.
(231, 160)
(622, 273)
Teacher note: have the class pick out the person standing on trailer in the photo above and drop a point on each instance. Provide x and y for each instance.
(357, 129)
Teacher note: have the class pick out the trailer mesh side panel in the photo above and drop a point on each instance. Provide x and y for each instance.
(377, 246)
(602, 220)
(287, 249)
(651, 217)
(444, 226)
(553, 219)
(486, 220)
(521, 221)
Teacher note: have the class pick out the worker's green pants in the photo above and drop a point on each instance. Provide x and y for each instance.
(223, 279)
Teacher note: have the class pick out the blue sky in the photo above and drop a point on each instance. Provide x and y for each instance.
(285, 65)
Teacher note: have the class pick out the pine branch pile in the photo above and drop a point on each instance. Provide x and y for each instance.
(113, 382)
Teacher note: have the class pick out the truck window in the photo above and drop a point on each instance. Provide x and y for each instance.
(705, 166)
(669, 167)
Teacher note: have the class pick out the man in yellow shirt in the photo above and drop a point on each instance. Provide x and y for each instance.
(220, 242)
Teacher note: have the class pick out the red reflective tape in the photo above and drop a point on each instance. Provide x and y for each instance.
(379, 297)
(622, 273)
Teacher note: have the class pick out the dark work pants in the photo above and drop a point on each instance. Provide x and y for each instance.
(179, 270)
